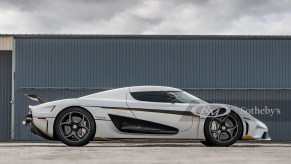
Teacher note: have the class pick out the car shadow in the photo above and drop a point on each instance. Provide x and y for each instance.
(101, 144)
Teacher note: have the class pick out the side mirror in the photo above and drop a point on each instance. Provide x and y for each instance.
(172, 97)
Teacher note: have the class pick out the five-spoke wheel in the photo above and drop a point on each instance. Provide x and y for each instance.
(222, 131)
(75, 127)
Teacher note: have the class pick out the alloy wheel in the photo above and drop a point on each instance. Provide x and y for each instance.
(223, 129)
(74, 126)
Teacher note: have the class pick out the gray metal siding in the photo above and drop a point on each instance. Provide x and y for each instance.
(110, 63)
(5, 94)
(72, 67)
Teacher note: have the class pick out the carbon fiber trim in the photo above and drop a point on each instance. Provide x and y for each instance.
(183, 113)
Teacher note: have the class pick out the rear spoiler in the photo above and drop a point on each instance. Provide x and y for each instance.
(36, 97)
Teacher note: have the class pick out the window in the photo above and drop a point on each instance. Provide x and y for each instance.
(184, 97)
(162, 96)
(152, 96)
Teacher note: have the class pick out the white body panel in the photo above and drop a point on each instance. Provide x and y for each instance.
(183, 123)
(120, 102)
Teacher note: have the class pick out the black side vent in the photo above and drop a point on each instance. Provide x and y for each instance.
(133, 125)
(247, 128)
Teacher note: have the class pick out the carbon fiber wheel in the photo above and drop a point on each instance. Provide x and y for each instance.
(75, 127)
(222, 131)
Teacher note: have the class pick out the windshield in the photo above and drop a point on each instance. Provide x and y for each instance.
(184, 97)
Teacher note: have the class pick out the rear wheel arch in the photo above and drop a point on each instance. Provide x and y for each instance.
(54, 133)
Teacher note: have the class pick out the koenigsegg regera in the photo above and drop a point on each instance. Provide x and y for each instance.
(142, 112)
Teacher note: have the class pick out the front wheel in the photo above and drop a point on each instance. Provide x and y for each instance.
(75, 127)
(222, 131)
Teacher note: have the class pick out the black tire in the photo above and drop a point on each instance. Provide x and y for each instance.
(233, 131)
(206, 143)
(75, 127)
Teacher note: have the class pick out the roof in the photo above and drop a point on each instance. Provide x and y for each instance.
(151, 88)
(173, 37)
(120, 93)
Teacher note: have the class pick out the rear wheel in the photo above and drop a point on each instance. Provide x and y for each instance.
(206, 143)
(222, 131)
(75, 127)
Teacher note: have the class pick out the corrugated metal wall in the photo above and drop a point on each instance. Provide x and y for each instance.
(6, 43)
(180, 63)
(62, 67)
(5, 94)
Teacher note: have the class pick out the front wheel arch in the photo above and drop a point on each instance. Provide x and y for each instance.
(223, 127)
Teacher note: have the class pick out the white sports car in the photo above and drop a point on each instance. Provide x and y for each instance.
(142, 112)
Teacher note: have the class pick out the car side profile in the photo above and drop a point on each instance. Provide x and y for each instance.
(142, 112)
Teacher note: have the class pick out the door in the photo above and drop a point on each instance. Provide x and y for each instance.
(164, 116)
(5, 94)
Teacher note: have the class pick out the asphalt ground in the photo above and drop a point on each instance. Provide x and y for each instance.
(144, 152)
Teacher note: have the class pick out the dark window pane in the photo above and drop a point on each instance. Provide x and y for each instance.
(155, 96)
(184, 97)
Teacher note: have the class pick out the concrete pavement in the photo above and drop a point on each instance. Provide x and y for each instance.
(141, 152)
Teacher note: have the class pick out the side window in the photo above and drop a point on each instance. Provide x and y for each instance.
(154, 96)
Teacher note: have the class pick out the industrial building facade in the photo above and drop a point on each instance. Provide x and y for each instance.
(252, 72)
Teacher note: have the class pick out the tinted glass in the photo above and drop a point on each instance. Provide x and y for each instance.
(155, 96)
(184, 97)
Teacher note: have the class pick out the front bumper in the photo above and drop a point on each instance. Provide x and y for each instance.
(256, 130)
(265, 136)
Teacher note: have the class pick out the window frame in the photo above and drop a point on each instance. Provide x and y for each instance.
(165, 99)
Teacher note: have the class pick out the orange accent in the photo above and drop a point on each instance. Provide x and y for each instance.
(101, 139)
(248, 137)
